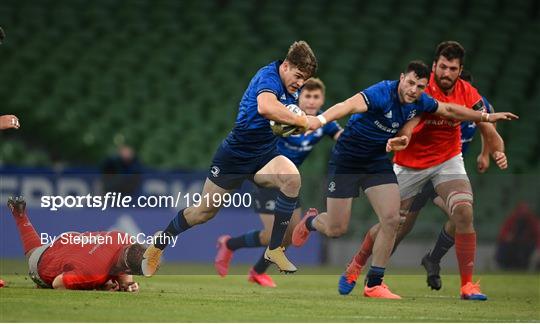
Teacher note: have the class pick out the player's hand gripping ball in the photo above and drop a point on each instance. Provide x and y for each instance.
(285, 130)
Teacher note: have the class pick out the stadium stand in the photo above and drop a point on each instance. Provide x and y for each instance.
(167, 75)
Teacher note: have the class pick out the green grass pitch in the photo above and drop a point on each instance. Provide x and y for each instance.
(309, 296)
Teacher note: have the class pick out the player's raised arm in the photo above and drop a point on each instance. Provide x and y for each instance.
(353, 105)
(270, 108)
(457, 112)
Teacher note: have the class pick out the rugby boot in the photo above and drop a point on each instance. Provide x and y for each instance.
(278, 257)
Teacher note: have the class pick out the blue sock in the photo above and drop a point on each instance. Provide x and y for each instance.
(309, 223)
(177, 225)
(282, 215)
(443, 244)
(250, 239)
(375, 276)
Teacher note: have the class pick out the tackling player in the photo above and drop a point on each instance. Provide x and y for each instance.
(249, 153)
(446, 238)
(359, 160)
(70, 265)
(296, 148)
(423, 161)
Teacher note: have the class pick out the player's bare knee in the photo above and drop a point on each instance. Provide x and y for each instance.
(462, 216)
(390, 220)
(290, 184)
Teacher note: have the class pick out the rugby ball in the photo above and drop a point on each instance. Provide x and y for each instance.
(285, 130)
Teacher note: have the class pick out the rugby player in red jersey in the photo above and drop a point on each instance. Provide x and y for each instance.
(423, 160)
(105, 264)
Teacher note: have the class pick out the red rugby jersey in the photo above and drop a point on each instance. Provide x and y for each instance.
(437, 139)
(84, 267)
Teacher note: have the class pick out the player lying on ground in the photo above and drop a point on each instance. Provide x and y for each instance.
(359, 160)
(250, 153)
(434, 155)
(445, 241)
(66, 264)
(296, 148)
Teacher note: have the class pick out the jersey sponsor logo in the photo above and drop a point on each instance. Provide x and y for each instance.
(441, 122)
(301, 148)
(388, 114)
(386, 129)
(395, 125)
(215, 171)
(332, 186)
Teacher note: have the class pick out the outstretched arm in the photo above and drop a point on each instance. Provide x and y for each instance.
(353, 105)
(457, 112)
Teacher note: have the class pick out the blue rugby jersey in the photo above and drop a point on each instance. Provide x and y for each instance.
(252, 135)
(366, 134)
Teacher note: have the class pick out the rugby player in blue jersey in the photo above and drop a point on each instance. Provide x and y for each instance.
(359, 160)
(250, 153)
(492, 144)
(296, 148)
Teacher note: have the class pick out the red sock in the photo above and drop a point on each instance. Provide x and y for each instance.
(365, 250)
(465, 252)
(29, 237)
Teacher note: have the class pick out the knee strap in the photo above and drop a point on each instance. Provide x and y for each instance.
(456, 198)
